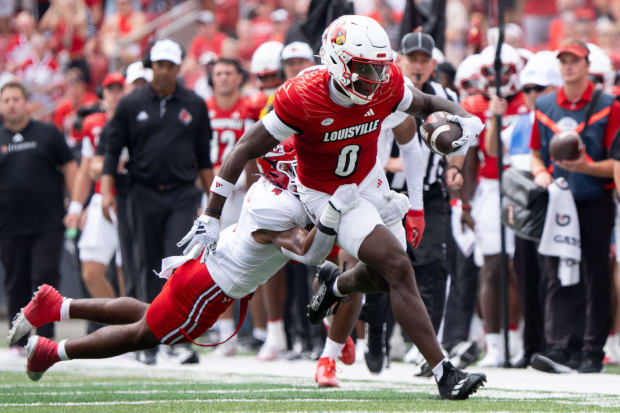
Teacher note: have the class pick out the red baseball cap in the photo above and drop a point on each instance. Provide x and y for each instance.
(575, 47)
(113, 78)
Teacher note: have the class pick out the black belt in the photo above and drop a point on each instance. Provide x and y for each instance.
(162, 187)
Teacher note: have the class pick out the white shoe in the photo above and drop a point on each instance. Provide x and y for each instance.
(492, 359)
(612, 349)
(414, 356)
(227, 349)
(270, 352)
(360, 348)
(397, 345)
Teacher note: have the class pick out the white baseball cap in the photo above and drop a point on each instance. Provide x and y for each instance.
(297, 50)
(542, 69)
(167, 49)
(137, 71)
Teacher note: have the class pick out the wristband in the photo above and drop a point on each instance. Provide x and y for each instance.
(465, 207)
(538, 172)
(330, 218)
(75, 207)
(222, 187)
(214, 211)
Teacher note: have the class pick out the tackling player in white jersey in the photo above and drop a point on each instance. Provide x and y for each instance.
(271, 230)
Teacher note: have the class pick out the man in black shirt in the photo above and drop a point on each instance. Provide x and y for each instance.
(33, 159)
(166, 130)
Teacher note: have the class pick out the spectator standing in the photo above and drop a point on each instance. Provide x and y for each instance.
(34, 159)
(98, 242)
(77, 96)
(66, 22)
(119, 25)
(166, 130)
(589, 179)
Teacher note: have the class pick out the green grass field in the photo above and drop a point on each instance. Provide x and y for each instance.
(74, 392)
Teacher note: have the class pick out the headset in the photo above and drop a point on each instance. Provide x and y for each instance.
(233, 62)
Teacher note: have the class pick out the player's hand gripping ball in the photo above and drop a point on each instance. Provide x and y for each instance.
(441, 135)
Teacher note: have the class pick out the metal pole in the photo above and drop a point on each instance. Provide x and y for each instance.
(500, 167)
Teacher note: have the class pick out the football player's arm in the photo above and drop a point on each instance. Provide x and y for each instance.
(412, 160)
(308, 247)
(256, 141)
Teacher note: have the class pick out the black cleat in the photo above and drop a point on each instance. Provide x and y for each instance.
(456, 384)
(324, 297)
(375, 354)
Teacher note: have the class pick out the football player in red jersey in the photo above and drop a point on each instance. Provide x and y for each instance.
(334, 115)
(98, 242)
(230, 116)
(485, 205)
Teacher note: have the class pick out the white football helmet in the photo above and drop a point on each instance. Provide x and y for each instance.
(468, 79)
(511, 66)
(357, 53)
(601, 70)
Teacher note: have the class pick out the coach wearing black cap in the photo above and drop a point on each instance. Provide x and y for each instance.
(166, 129)
(430, 259)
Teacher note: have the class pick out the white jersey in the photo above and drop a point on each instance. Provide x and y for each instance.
(240, 264)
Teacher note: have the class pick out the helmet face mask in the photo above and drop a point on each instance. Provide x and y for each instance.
(358, 56)
(279, 166)
(511, 66)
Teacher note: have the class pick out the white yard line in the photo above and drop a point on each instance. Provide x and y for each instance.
(159, 401)
(501, 383)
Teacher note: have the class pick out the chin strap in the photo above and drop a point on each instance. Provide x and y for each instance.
(242, 313)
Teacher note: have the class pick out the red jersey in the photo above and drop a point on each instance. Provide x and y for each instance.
(478, 105)
(227, 126)
(65, 112)
(335, 145)
(91, 130)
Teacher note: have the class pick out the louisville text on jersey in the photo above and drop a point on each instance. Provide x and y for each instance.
(351, 131)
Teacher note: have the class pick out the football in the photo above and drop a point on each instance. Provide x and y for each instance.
(565, 146)
(439, 134)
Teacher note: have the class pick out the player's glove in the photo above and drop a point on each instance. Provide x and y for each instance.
(395, 208)
(414, 225)
(345, 198)
(204, 234)
(471, 126)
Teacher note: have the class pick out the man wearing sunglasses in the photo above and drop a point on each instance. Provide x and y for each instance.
(540, 76)
(589, 178)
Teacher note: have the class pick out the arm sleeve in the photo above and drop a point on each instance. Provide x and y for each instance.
(203, 138)
(319, 250)
(118, 129)
(62, 153)
(414, 172)
(274, 125)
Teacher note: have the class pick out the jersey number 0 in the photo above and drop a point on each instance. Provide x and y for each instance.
(347, 160)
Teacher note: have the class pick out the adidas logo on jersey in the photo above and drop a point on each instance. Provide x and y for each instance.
(369, 113)
(351, 132)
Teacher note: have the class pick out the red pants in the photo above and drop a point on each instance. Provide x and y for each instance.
(190, 301)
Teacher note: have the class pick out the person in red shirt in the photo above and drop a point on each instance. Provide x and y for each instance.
(66, 20)
(119, 25)
(208, 39)
(334, 115)
(76, 97)
(98, 242)
(485, 203)
(230, 116)
(589, 179)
